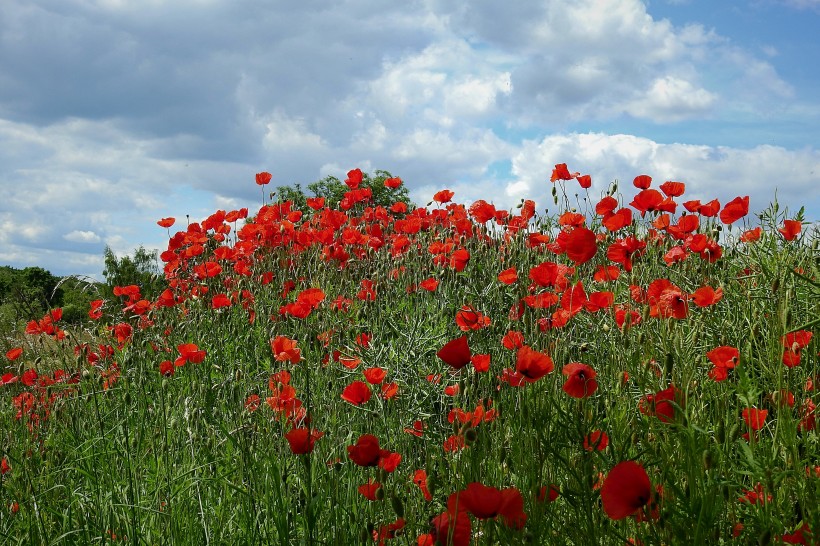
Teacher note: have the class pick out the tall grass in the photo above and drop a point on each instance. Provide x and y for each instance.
(103, 443)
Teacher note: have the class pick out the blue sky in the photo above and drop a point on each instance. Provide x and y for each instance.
(115, 113)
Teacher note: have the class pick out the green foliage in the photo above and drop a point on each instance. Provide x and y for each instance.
(333, 191)
(29, 292)
(141, 269)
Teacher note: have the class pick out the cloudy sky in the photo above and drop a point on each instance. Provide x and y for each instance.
(115, 113)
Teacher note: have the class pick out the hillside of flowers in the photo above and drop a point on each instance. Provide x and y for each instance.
(627, 369)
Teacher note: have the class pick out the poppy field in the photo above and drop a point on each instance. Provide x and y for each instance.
(634, 367)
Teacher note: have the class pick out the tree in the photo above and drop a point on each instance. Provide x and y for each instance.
(141, 269)
(333, 191)
(28, 293)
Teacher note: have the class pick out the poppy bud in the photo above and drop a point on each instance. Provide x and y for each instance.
(379, 494)
(398, 505)
(667, 368)
(721, 432)
(432, 481)
(366, 536)
(776, 285)
(765, 538)
(734, 432)
(470, 436)
(605, 328)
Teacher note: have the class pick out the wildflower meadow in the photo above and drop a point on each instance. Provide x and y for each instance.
(617, 366)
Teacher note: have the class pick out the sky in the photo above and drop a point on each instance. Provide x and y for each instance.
(116, 113)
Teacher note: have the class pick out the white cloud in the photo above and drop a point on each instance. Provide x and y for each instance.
(672, 99)
(78, 236)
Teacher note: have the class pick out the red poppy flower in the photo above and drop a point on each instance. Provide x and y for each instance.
(706, 296)
(751, 235)
(263, 178)
(606, 273)
(468, 318)
(366, 451)
(369, 489)
(357, 393)
(166, 222)
(622, 251)
(666, 300)
(375, 375)
(420, 479)
(662, 404)
(455, 353)
(596, 440)
(389, 461)
(647, 200)
(626, 490)
(450, 529)
(673, 189)
(354, 178)
(167, 368)
(392, 183)
(508, 276)
(485, 502)
(618, 220)
(797, 341)
(734, 210)
(581, 381)
(315, 203)
(561, 172)
(301, 440)
(606, 206)
(642, 181)
(389, 390)
(754, 418)
(14, 354)
(532, 364)
(459, 259)
(548, 493)
(513, 340)
(443, 196)
(791, 229)
(429, 284)
(580, 245)
(189, 352)
(584, 180)
(285, 350)
(481, 363)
